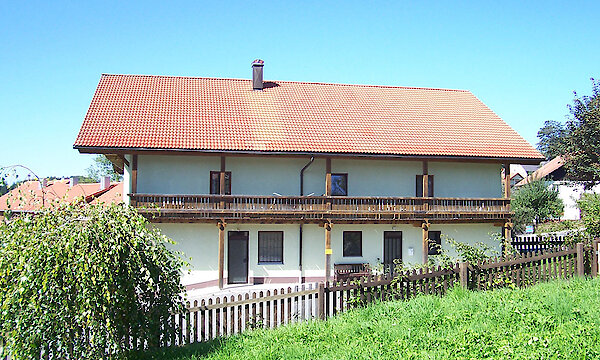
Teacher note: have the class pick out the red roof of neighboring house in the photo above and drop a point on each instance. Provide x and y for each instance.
(544, 170)
(112, 196)
(29, 196)
(206, 114)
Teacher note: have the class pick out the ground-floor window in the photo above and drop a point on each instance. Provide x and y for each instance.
(352, 243)
(270, 247)
(435, 242)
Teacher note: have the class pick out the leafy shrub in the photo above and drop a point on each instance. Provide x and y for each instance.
(535, 202)
(83, 281)
(590, 213)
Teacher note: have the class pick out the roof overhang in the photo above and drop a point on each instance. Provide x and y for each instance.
(118, 153)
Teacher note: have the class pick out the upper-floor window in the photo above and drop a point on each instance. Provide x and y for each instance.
(419, 185)
(215, 182)
(435, 243)
(352, 243)
(339, 184)
(270, 247)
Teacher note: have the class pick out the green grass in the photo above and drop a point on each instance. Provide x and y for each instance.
(558, 320)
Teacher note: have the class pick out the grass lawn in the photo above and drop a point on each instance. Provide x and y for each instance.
(558, 320)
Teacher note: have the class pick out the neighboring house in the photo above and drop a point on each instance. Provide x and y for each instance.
(569, 191)
(34, 195)
(280, 181)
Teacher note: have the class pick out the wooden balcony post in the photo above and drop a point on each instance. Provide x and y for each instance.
(221, 226)
(222, 181)
(507, 180)
(425, 227)
(425, 184)
(508, 233)
(328, 251)
(328, 177)
(134, 168)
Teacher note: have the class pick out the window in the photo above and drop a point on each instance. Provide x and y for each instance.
(435, 243)
(339, 184)
(419, 185)
(270, 247)
(352, 243)
(215, 182)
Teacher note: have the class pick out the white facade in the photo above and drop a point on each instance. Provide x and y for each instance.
(570, 193)
(190, 174)
(159, 174)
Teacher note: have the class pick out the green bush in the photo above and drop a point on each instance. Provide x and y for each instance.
(535, 203)
(589, 204)
(82, 281)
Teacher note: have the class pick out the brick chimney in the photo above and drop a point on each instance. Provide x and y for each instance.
(257, 74)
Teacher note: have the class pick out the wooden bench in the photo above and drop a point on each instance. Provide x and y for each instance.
(346, 272)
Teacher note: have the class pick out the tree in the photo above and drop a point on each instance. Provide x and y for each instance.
(535, 202)
(582, 139)
(551, 137)
(80, 281)
(103, 167)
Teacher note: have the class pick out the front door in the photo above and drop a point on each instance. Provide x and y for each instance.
(392, 249)
(237, 257)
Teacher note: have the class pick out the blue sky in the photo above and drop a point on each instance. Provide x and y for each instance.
(523, 59)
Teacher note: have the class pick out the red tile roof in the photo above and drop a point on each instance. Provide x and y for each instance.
(30, 197)
(206, 114)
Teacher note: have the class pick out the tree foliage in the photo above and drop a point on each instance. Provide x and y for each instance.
(535, 202)
(578, 140)
(80, 281)
(551, 137)
(582, 141)
(103, 167)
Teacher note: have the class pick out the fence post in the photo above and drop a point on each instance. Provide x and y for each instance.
(595, 244)
(321, 302)
(463, 274)
(580, 259)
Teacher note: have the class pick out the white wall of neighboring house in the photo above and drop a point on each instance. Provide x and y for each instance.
(570, 193)
(199, 243)
(264, 176)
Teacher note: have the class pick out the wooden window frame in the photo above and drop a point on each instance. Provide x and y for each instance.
(431, 250)
(269, 262)
(345, 175)
(227, 183)
(344, 245)
(419, 185)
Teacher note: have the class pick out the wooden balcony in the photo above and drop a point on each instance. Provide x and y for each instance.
(280, 209)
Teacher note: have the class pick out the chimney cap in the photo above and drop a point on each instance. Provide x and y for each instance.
(258, 62)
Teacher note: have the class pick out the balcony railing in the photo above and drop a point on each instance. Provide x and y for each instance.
(318, 208)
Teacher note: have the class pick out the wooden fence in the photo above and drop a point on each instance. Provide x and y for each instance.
(227, 315)
(528, 243)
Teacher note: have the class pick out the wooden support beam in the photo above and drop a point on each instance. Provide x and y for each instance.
(328, 177)
(507, 233)
(425, 227)
(221, 254)
(507, 180)
(222, 177)
(134, 169)
(328, 251)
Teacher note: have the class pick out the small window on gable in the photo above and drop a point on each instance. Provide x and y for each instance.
(270, 247)
(435, 243)
(339, 184)
(419, 185)
(352, 243)
(215, 182)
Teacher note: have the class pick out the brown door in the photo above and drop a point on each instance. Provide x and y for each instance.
(392, 249)
(237, 257)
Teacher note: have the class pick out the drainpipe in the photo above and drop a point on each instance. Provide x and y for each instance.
(312, 159)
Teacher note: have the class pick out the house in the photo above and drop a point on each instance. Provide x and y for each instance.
(35, 195)
(568, 191)
(280, 181)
